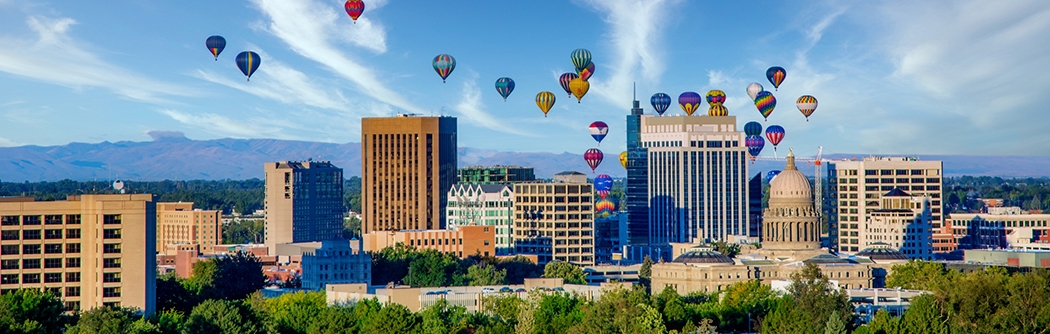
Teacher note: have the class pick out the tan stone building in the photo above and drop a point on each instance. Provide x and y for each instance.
(462, 242)
(408, 165)
(555, 221)
(304, 202)
(91, 250)
(180, 225)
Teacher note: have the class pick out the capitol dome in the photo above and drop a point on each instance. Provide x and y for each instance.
(790, 183)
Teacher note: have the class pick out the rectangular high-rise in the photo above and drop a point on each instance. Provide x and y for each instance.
(637, 187)
(408, 165)
(698, 178)
(855, 189)
(304, 202)
(555, 221)
(181, 224)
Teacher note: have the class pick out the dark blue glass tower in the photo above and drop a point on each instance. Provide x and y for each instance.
(637, 191)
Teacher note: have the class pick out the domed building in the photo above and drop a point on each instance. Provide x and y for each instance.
(790, 224)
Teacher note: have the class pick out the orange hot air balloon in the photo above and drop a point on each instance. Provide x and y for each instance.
(579, 88)
(545, 100)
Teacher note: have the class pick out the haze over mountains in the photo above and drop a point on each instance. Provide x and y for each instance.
(173, 156)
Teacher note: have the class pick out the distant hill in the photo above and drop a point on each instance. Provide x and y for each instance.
(173, 156)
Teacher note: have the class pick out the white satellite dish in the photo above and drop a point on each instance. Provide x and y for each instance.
(119, 186)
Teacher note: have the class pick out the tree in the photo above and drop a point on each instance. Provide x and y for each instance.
(112, 320)
(481, 274)
(30, 311)
(335, 320)
(725, 248)
(432, 268)
(221, 317)
(294, 312)
(231, 277)
(352, 227)
(835, 325)
(919, 275)
(173, 295)
(519, 268)
(570, 273)
(393, 318)
(169, 321)
(442, 318)
(810, 301)
(645, 273)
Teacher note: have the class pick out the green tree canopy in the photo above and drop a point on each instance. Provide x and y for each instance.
(570, 273)
(31, 311)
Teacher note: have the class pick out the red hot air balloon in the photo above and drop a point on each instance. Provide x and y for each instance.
(354, 8)
(593, 157)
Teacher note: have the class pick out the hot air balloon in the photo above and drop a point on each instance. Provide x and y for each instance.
(753, 89)
(580, 58)
(248, 62)
(754, 146)
(443, 65)
(716, 97)
(598, 131)
(689, 101)
(717, 110)
(775, 134)
(806, 104)
(753, 128)
(545, 100)
(771, 175)
(623, 159)
(354, 8)
(660, 102)
(603, 183)
(564, 79)
(604, 206)
(215, 44)
(504, 86)
(776, 75)
(579, 88)
(586, 72)
(593, 157)
(765, 102)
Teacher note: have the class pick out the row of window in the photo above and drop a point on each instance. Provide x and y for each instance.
(51, 234)
(53, 220)
(73, 277)
(71, 262)
(71, 248)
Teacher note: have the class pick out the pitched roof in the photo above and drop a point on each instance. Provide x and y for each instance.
(897, 192)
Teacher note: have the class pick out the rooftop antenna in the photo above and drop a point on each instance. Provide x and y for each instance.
(634, 91)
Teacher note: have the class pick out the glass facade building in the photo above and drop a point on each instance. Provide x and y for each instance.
(637, 187)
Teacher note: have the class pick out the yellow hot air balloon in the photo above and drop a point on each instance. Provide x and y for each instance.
(579, 88)
(545, 100)
(623, 159)
(717, 110)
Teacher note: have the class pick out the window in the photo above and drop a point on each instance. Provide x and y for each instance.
(8, 249)
(111, 263)
(53, 220)
(72, 291)
(52, 263)
(111, 277)
(72, 306)
(111, 248)
(53, 234)
(31, 263)
(9, 235)
(111, 233)
(111, 219)
(73, 277)
(73, 248)
(30, 249)
(111, 292)
(9, 279)
(30, 278)
(9, 220)
(72, 219)
(31, 234)
(53, 278)
(9, 264)
(73, 233)
(72, 262)
(30, 220)
(53, 249)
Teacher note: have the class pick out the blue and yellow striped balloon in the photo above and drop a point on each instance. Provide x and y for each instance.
(248, 62)
(443, 65)
(765, 102)
(504, 86)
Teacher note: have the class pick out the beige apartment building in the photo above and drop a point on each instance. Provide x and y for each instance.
(91, 250)
(180, 225)
(555, 221)
(304, 202)
(408, 165)
(856, 187)
(464, 241)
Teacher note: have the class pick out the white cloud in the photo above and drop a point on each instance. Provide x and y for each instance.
(55, 58)
(284, 84)
(472, 110)
(225, 126)
(4, 142)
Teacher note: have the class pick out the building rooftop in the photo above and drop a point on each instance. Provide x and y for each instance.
(897, 192)
(882, 251)
(702, 255)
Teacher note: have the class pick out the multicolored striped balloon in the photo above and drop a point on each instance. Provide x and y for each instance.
(765, 102)
(564, 79)
(775, 134)
(753, 128)
(248, 62)
(717, 110)
(776, 75)
(689, 101)
(604, 206)
(354, 8)
(443, 65)
(580, 58)
(660, 102)
(545, 100)
(215, 44)
(806, 104)
(586, 72)
(716, 97)
(754, 146)
(504, 86)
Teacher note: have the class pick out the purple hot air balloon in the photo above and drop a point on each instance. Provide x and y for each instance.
(564, 79)
(690, 101)
(754, 146)
(660, 102)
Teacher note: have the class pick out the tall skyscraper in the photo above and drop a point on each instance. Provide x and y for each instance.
(637, 187)
(856, 187)
(698, 178)
(304, 202)
(408, 165)
(754, 194)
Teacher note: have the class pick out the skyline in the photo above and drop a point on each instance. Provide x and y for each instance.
(887, 83)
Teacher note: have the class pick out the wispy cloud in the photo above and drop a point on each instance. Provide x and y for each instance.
(225, 126)
(305, 27)
(54, 57)
(284, 84)
(4, 142)
(472, 110)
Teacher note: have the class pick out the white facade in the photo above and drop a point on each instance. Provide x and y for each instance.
(855, 188)
(484, 205)
(336, 262)
(903, 223)
(698, 178)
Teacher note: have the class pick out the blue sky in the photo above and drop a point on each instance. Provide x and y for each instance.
(934, 77)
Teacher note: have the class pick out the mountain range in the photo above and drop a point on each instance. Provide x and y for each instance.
(173, 156)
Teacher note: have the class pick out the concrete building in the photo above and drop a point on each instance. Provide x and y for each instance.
(90, 250)
(1011, 258)
(487, 205)
(1010, 229)
(698, 179)
(495, 174)
(334, 262)
(462, 242)
(304, 202)
(903, 222)
(855, 187)
(408, 165)
(555, 221)
(179, 225)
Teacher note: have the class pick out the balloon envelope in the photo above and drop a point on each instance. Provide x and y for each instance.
(603, 182)
(806, 105)
(598, 130)
(689, 101)
(717, 110)
(504, 86)
(776, 75)
(716, 97)
(580, 58)
(604, 206)
(248, 62)
(660, 102)
(753, 128)
(753, 89)
(754, 145)
(586, 72)
(545, 100)
(765, 102)
(564, 79)
(579, 88)
(593, 157)
(443, 65)
(354, 8)
(771, 174)
(623, 159)
(215, 44)
(775, 134)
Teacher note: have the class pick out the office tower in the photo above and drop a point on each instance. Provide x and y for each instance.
(754, 194)
(495, 174)
(555, 221)
(698, 179)
(637, 186)
(179, 224)
(90, 250)
(484, 205)
(856, 187)
(901, 223)
(408, 165)
(304, 202)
